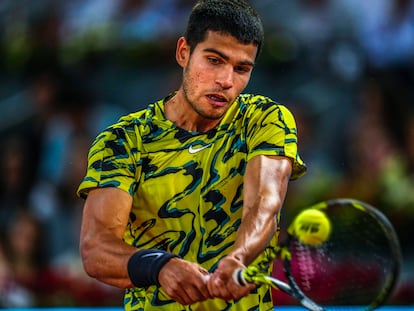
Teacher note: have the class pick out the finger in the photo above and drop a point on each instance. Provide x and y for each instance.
(205, 290)
(214, 286)
(228, 290)
(240, 291)
(218, 288)
(195, 289)
(181, 297)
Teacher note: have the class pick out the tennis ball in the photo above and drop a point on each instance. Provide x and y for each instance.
(312, 227)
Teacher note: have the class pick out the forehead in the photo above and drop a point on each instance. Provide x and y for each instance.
(228, 45)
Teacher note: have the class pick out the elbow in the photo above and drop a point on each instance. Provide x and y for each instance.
(96, 265)
(89, 262)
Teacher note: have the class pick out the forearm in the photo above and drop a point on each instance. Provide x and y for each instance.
(107, 260)
(254, 234)
(265, 189)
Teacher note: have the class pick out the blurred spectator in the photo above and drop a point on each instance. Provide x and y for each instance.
(49, 195)
(5, 275)
(315, 34)
(14, 178)
(145, 20)
(385, 30)
(29, 282)
(370, 148)
(66, 135)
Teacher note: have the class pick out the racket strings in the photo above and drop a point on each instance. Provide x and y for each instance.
(351, 268)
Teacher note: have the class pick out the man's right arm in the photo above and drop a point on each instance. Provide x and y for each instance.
(105, 255)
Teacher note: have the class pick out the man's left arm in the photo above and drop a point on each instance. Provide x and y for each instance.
(265, 186)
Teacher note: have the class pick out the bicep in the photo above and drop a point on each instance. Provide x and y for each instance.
(106, 209)
(104, 253)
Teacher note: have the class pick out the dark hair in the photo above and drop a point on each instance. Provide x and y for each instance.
(234, 17)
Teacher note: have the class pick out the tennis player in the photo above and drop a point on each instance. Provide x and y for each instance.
(184, 192)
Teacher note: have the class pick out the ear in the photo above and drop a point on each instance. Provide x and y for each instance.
(182, 53)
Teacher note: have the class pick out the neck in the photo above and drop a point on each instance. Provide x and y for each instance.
(182, 114)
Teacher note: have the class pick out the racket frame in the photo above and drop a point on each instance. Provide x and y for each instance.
(292, 289)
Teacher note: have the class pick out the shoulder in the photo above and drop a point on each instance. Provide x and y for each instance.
(139, 117)
(131, 126)
(259, 102)
(255, 99)
(253, 104)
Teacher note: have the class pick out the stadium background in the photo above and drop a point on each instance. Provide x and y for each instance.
(69, 68)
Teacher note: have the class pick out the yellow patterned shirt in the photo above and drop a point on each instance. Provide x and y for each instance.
(187, 187)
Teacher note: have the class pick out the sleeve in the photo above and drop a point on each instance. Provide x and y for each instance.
(112, 162)
(272, 131)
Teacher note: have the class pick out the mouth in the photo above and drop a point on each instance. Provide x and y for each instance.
(217, 99)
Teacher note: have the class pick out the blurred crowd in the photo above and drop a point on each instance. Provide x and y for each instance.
(70, 68)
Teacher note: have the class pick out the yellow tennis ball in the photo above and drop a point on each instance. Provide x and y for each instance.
(312, 227)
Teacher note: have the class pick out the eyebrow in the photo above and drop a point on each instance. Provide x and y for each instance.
(224, 56)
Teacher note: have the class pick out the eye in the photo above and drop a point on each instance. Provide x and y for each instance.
(213, 60)
(242, 69)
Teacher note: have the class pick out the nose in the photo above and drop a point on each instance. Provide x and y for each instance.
(225, 77)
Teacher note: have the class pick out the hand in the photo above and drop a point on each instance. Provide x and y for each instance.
(184, 281)
(221, 284)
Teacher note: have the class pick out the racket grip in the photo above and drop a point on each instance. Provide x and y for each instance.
(238, 277)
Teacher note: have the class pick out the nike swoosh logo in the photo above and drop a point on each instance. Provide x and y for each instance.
(156, 255)
(193, 150)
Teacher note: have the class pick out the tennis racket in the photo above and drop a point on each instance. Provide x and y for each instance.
(356, 268)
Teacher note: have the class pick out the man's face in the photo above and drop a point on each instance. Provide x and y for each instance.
(215, 73)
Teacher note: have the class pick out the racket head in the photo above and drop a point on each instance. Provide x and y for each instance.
(356, 268)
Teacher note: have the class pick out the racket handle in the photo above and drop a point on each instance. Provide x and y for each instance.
(238, 277)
